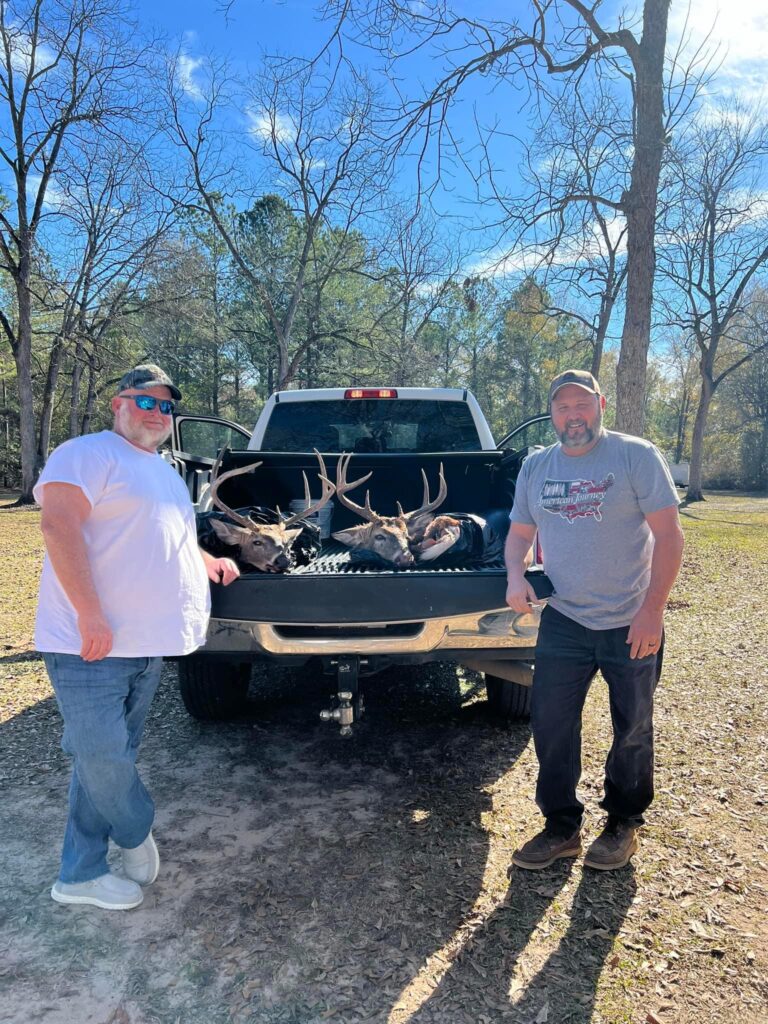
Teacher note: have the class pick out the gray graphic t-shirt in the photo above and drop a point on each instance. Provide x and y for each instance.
(590, 513)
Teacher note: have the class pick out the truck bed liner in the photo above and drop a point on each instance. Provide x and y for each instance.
(335, 560)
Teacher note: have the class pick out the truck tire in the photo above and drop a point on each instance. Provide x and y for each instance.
(507, 701)
(213, 691)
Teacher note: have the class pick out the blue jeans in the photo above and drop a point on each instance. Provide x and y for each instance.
(104, 705)
(568, 657)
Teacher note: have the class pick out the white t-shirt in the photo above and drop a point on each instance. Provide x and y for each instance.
(142, 550)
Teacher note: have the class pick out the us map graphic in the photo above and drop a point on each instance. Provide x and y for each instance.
(575, 499)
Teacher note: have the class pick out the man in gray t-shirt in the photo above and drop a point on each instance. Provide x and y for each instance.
(605, 509)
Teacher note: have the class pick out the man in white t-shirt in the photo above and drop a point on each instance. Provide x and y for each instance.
(124, 583)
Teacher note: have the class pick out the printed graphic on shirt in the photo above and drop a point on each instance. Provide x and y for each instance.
(575, 499)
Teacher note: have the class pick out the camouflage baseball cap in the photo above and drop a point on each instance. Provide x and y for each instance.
(148, 375)
(581, 378)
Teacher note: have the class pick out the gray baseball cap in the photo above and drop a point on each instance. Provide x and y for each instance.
(581, 378)
(148, 375)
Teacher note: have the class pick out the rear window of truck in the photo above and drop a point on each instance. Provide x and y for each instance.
(371, 425)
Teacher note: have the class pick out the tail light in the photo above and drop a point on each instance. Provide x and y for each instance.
(370, 393)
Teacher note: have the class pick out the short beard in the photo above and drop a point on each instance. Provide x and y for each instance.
(138, 435)
(590, 433)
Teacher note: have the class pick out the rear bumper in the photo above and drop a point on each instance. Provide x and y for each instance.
(498, 629)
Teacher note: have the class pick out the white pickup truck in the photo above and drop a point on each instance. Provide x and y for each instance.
(352, 618)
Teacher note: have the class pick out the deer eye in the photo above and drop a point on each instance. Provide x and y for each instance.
(258, 543)
(380, 536)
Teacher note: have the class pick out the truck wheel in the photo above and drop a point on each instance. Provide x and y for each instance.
(213, 691)
(507, 701)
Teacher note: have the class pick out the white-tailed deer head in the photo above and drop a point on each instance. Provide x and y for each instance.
(266, 547)
(387, 536)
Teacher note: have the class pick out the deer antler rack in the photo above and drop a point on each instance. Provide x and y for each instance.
(218, 479)
(343, 486)
(328, 492)
(426, 504)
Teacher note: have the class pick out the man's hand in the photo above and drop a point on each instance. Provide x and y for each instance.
(221, 570)
(520, 594)
(645, 632)
(96, 635)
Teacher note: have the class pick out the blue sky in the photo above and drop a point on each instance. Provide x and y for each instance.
(200, 28)
(739, 28)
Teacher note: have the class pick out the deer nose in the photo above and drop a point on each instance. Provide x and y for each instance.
(404, 558)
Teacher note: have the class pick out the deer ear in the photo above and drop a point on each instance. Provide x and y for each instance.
(350, 537)
(227, 532)
(293, 534)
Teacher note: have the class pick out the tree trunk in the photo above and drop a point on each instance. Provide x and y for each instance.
(682, 423)
(74, 393)
(599, 342)
(216, 314)
(46, 412)
(23, 357)
(7, 433)
(694, 492)
(215, 382)
(762, 461)
(90, 399)
(639, 204)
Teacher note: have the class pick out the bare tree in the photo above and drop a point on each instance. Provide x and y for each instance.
(67, 68)
(314, 140)
(419, 268)
(109, 231)
(716, 244)
(569, 226)
(553, 41)
(682, 371)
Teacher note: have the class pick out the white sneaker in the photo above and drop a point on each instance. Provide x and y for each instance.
(142, 863)
(108, 892)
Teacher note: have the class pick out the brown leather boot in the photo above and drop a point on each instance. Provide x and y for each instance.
(614, 847)
(545, 848)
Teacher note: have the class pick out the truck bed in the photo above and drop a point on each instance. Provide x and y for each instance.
(311, 593)
(477, 482)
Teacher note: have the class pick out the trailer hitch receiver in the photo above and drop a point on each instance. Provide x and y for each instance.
(347, 706)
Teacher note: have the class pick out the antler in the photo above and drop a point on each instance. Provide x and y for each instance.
(426, 504)
(325, 497)
(342, 486)
(217, 481)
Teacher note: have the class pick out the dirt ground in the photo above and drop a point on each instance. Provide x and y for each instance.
(307, 878)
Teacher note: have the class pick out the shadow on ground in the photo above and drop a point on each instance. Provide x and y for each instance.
(305, 878)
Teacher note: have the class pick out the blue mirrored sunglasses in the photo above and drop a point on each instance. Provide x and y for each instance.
(147, 402)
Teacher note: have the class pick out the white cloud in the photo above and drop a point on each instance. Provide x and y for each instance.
(21, 52)
(186, 66)
(54, 198)
(737, 32)
(262, 124)
(506, 264)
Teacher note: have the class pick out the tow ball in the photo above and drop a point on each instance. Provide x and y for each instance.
(348, 701)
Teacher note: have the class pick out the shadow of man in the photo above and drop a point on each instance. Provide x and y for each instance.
(355, 862)
(493, 979)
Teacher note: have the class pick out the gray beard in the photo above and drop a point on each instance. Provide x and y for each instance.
(587, 438)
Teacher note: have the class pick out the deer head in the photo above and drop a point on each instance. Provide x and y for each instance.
(387, 536)
(267, 547)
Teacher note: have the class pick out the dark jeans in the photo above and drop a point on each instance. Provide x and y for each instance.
(568, 657)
